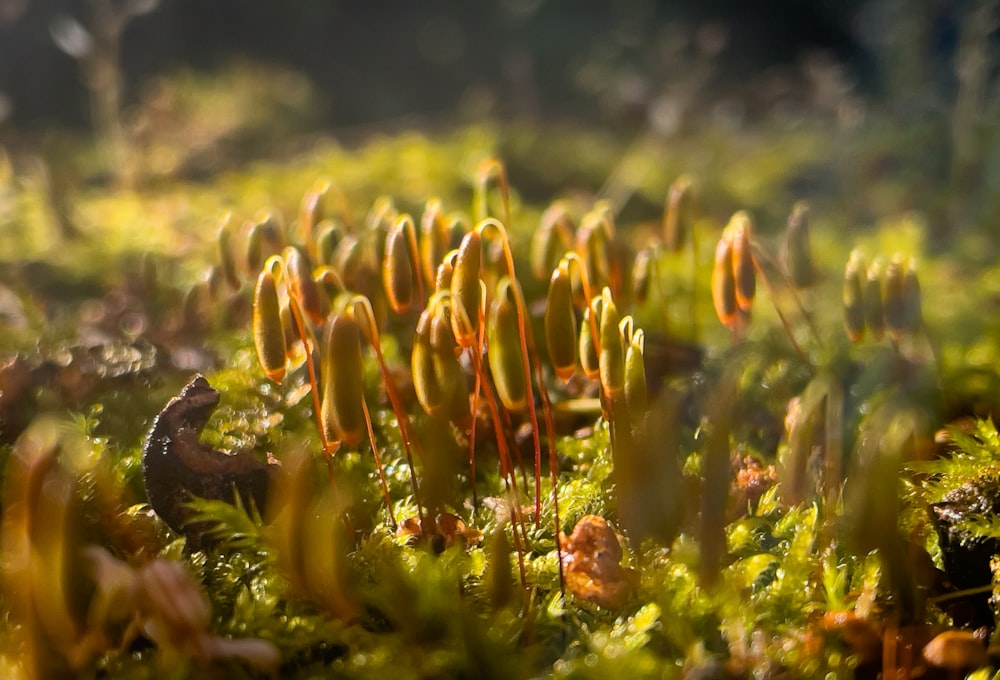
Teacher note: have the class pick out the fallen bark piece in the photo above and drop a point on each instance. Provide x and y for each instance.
(176, 466)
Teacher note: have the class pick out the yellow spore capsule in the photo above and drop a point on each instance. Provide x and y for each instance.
(342, 410)
(303, 287)
(447, 370)
(504, 349)
(743, 266)
(895, 301)
(267, 327)
(636, 396)
(465, 289)
(551, 240)
(329, 234)
(611, 358)
(874, 309)
(425, 380)
(589, 360)
(397, 272)
(435, 238)
(560, 325)
(311, 211)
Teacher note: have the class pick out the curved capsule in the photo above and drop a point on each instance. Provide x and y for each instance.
(397, 272)
(447, 369)
(303, 287)
(593, 244)
(874, 309)
(425, 380)
(311, 210)
(724, 283)
(435, 237)
(466, 294)
(267, 326)
(853, 297)
(743, 265)
(611, 359)
(264, 239)
(329, 234)
(380, 219)
(445, 272)
(342, 409)
(636, 395)
(560, 325)
(589, 361)
(678, 219)
(641, 271)
(226, 259)
(552, 239)
(504, 349)
(797, 254)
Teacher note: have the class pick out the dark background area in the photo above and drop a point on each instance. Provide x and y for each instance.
(373, 61)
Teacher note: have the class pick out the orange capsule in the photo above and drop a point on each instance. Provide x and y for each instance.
(268, 329)
(724, 283)
(743, 265)
(397, 272)
(560, 325)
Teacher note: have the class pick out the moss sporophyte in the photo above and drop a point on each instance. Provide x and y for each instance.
(393, 474)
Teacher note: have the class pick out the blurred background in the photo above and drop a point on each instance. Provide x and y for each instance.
(188, 87)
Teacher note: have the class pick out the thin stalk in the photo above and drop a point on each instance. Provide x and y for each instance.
(763, 254)
(378, 466)
(519, 305)
(308, 344)
(402, 418)
(781, 315)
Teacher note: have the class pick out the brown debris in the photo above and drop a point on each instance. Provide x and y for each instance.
(591, 556)
(447, 530)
